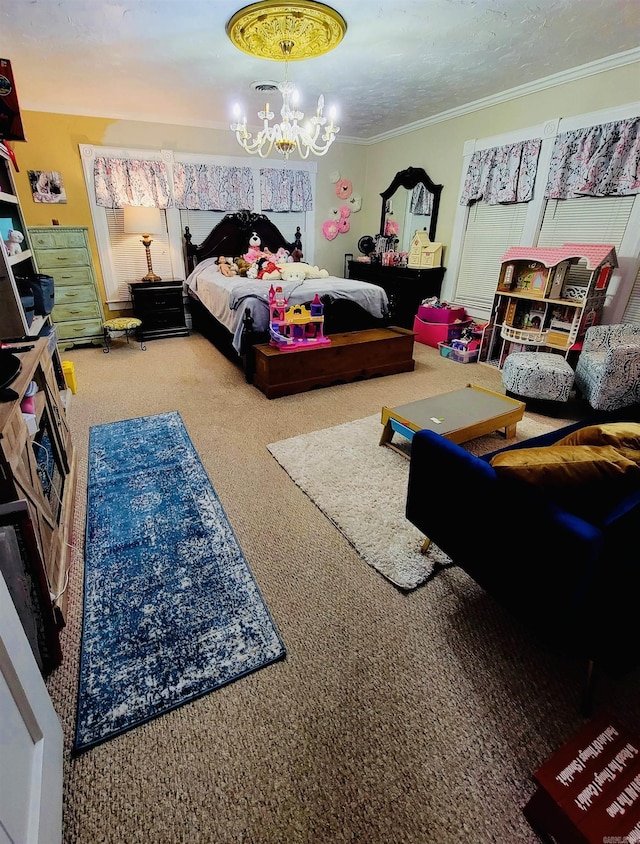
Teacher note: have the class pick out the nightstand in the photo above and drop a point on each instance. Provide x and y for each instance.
(159, 305)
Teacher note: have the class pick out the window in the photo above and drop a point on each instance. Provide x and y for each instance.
(128, 257)
(480, 231)
(123, 259)
(491, 230)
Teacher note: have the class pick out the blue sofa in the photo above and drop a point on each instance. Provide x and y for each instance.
(574, 582)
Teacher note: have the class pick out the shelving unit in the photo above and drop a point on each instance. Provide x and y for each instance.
(546, 298)
(13, 320)
(38, 465)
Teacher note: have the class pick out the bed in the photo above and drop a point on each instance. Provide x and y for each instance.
(233, 312)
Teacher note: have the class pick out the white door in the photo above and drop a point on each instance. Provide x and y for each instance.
(30, 741)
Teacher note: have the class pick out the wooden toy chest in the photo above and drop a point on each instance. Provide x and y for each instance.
(352, 356)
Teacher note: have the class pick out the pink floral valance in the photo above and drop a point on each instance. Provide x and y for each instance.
(502, 174)
(285, 190)
(602, 160)
(124, 181)
(212, 187)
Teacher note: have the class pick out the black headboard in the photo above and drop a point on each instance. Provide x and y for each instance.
(231, 238)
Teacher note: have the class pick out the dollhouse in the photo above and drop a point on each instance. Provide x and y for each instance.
(547, 297)
(295, 327)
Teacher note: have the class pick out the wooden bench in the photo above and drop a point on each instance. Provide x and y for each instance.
(352, 356)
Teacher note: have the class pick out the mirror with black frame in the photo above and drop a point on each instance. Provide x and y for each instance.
(409, 204)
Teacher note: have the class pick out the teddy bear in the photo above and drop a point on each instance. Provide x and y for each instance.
(282, 256)
(242, 266)
(227, 266)
(14, 239)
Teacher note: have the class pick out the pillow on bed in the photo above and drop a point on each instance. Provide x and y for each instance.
(585, 479)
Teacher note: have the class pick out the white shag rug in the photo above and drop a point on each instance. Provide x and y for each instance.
(361, 487)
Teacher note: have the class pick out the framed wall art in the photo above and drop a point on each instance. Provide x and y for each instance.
(47, 186)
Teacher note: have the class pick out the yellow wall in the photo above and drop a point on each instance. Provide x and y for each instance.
(53, 145)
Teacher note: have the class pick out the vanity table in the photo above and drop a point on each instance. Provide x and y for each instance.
(406, 288)
(411, 202)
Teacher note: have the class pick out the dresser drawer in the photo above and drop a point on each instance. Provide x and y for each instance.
(57, 240)
(156, 300)
(79, 328)
(64, 277)
(169, 318)
(68, 294)
(81, 310)
(50, 259)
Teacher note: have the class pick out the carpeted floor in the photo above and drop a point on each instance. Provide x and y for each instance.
(396, 718)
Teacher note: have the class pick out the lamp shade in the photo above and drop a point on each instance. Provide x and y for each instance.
(140, 220)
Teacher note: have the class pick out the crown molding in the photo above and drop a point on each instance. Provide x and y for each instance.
(583, 71)
(572, 75)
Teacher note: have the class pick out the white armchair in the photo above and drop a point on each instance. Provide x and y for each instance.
(608, 369)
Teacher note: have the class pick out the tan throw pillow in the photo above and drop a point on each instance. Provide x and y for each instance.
(617, 434)
(587, 480)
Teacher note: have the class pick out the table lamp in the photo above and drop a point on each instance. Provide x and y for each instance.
(144, 221)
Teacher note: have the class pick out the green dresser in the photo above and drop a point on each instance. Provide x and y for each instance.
(63, 252)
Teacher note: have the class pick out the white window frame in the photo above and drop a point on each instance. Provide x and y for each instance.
(88, 154)
(622, 281)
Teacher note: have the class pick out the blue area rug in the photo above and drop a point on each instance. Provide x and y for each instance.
(171, 608)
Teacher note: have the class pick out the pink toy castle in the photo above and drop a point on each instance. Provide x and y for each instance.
(295, 327)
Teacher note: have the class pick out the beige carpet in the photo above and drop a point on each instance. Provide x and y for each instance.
(362, 487)
(395, 718)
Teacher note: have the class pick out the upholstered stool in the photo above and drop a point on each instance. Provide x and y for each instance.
(120, 324)
(537, 375)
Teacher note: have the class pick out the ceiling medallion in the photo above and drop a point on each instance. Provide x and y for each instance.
(311, 28)
(287, 32)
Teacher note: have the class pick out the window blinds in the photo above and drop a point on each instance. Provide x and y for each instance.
(491, 230)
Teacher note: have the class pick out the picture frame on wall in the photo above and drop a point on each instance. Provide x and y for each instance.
(47, 186)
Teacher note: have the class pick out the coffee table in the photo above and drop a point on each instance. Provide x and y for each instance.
(460, 416)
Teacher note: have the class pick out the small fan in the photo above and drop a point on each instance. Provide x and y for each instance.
(366, 244)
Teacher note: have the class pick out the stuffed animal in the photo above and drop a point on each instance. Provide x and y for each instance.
(14, 239)
(242, 266)
(282, 256)
(267, 268)
(293, 272)
(254, 252)
(256, 268)
(227, 266)
(306, 269)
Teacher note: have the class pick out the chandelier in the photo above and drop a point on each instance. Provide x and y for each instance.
(287, 32)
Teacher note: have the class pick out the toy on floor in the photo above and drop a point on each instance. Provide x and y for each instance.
(296, 327)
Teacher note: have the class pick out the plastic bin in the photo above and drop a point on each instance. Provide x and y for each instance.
(447, 315)
(432, 333)
(464, 355)
(445, 350)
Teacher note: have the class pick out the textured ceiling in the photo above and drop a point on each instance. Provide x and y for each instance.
(399, 63)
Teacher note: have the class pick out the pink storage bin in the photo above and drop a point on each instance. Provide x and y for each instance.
(446, 315)
(432, 333)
